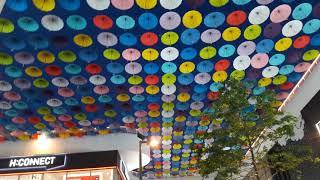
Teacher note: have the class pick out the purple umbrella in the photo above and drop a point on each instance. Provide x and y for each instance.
(184, 88)
(210, 36)
(60, 41)
(22, 83)
(294, 56)
(24, 58)
(272, 30)
(107, 39)
(253, 74)
(133, 68)
(246, 48)
(170, 20)
(78, 80)
(168, 98)
(195, 3)
(316, 11)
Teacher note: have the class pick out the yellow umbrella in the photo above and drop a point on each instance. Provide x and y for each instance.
(152, 89)
(44, 5)
(110, 113)
(146, 4)
(208, 52)
(283, 44)
(83, 40)
(238, 75)
(80, 116)
(142, 125)
(123, 97)
(40, 126)
(279, 79)
(167, 124)
(45, 57)
(183, 97)
(111, 54)
(192, 19)
(169, 38)
(150, 54)
(33, 71)
(64, 135)
(6, 26)
(135, 80)
(175, 158)
(195, 113)
(43, 111)
(218, 3)
(67, 56)
(310, 55)
(252, 32)
(276, 104)
(264, 82)
(204, 122)
(166, 138)
(231, 34)
(103, 132)
(88, 100)
(168, 79)
(24, 137)
(187, 67)
(154, 129)
(180, 118)
(185, 155)
(188, 141)
(177, 146)
(166, 151)
(49, 118)
(168, 106)
(220, 76)
(154, 113)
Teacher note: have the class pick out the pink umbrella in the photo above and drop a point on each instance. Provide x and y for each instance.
(141, 119)
(140, 113)
(11, 96)
(59, 129)
(259, 60)
(170, 20)
(65, 92)
(98, 121)
(210, 36)
(302, 67)
(143, 130)
(133, 68)
(282, 96)
(280, 13)
(192, 123)
(131, 54)
(65, 117)
(136, 89)
(122, 4)
(18, 120)
(101, 89)
(156, 155)
(246, 48)
(17, 133)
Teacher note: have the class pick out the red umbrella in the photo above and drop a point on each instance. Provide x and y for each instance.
(91, 108)
(53, 70)
(65, 92)
(155, 124)
(93, 69)
(18, 120)
(103, 22)
(149, 39)
(236, 18)
(151, 79)
(69, 124)
(34, 120)
(286, 86)
(301, 42)
(153, 107)
(2, 138)
(222, 65)
(213, 95)
(129, 125)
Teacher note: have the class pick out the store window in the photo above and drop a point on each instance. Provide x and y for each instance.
(31, 177)
(9, 177)
(55, 176)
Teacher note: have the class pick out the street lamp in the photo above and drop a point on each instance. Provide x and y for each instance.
(150, 141)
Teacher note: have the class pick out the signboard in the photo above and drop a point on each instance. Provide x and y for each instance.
(49, 162)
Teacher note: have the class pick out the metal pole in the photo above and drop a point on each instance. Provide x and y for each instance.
(140, 160)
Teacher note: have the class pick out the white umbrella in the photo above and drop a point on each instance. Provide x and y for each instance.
(128, 119)
(99, 4)
(270, 71)
(241, 63)
(168, 98)
(259, 14)
(97, 79)
(167, 113)
(169, 53)
(168, 89)
(202, 78)
(60, 82)
(292, 28)
(210, 36)
(54, 102)
(133, 68)
(170, 4)
(4, 105)
(107, 39)
(85, 123)
(246, 48)
(170, 20)
(167, 129)
(5, 86)
(168, 142)
(198, 105)
(52, 22)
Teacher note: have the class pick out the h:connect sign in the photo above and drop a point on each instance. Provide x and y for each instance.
(27, 162)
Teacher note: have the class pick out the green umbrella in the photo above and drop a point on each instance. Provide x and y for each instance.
(6, 26)
(40, 83)
(5, 59)
(67, 56)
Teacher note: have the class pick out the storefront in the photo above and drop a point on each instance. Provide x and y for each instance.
(105, 165)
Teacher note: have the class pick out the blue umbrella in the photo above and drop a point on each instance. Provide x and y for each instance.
(190, 36)
(69, 5)
(287, 1)
(185, 79)
(11, 113)
(14, 43)
(128, 39)
(241, 2)
(20, 105)
(118, 79)
(311, 26)
(315, 40)
(277, 59)
(294, 77)
(138, 98)
(214, 20)
(205, 66)
(265, 46)
(125, 22)
(38, 41)
(73, 69)
(169, 67)
(153, 98)
(139, 106)
(148, 21)
(199, 96)
(188, 53)
(258, 90)
(104, 99)
(286, 69)
(30, 93)
(60, 110)
(13, 71)
(151, 68)
(200, 88)
(71, 102)
(249, 84)
(84, 90)
(28, 24)
(76, 22)
(226, 50)
(114, 68)
(17, 5)
(167, 119)
(215, 87)
(88, 55)
(302, 11)
(182, 106)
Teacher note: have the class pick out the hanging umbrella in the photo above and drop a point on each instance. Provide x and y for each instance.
(97, 80)
(169, 54)
(222, 65)
(22, 83)
(265, 2)
(125, 22)
(151, 79)
(310, 55)
(221, 3)
(13, 43)
(131, 54)
(241, 62)
(4, 105)
(170, 20)
(265, 46)
(128, 39)
(33, 71)
(294, 56)
(202, 78)
(122, 4)
(264, 82)
(188, 53)
(226, 50)
(149, 39)
(169, 67)
(40, 83)
(246, 48)
(45, 57)
(67, 56)
(118, 79)
(168, 79)
(44, 5)
(302, 11)
(135, 80)
(169, 4)
(146, 4)
(302, 67)
(99, 4)
(236, 18)
(194, 4)
(272, 30)
(60, 41)
(283, 44)
(280, 13)
(219, 76)
(107, 39)
(103, 22)
(187, 67)
(24, 58)
(6, 26)
(259, 14)
(17, 5)
(280, 79)
(5, 86)
(207, 52)
(133, 68)
(168, 89)
(60, 82)
(301, 42)
(54, 102)
(292, 28)
(101, 89)
(169, 38)
(214, 19)
(93, 68)
(192, 19)
(231, 34)
(316, 11)
(38, 41)
(78, 80)
(66, 92)
(83, 40)
(111, 54)
(190, 36)
(286, 69)
(185, 79)
(150, 54)
(259, 60)
(88, 55)
(148, 21)
(28, 24)
(13, 71)
(136, 89)
(311, 26)
(52, 22)
(270, 71)
(205, 66)
(72, 69)
(76, 22)
(168, 98)
(115, 68)
(5, 59)
(252, 32)
(70, 5)
(210, 36)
